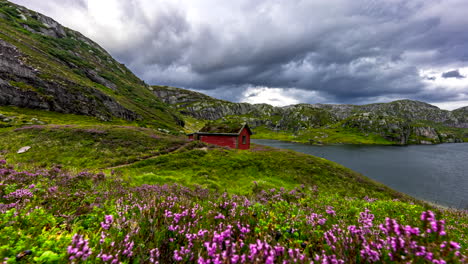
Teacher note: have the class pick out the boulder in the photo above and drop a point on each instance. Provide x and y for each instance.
(23, 149)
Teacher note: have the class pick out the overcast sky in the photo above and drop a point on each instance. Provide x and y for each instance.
(285, 51)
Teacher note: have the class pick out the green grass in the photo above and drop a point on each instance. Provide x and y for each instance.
(235, 171)
(22, 116)
(83, 146)
(192, 124)
(335, 135)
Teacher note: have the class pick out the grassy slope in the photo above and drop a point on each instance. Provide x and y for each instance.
(75, 141)
(336, 135)
(235, 171)
(81, 143)
(56, 205)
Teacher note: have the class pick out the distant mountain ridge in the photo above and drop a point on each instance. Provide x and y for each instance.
(44, 65)
(402, 121)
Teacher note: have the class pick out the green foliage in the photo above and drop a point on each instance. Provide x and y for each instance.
(23, 86)
(9, 10)
(334, 135)
(234, 171)
(84, 146)
(22, 116)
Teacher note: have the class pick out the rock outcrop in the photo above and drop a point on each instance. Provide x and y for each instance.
(461, 115)
(21, 86)
(44, 65)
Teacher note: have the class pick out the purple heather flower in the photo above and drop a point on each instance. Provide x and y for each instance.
(154, 256)
(219, 216)
(454, 245)
(366, 218)
(108, 219)
(370, 200)
(52, 189)
(18, 194)
(79, 248)
(330, 211)
(315, 219)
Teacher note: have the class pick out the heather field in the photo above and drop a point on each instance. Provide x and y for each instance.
(95, 192)
(55, 216)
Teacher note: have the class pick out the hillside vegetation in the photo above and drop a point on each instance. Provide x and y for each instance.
(399, 122)
(47, 66)
(53, 216)
(91, 191)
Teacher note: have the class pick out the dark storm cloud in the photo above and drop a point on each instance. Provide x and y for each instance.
(358, 54)
(453, 74)
(347, 51)
(162, 42)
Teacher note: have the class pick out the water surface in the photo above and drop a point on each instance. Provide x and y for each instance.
(435, 173)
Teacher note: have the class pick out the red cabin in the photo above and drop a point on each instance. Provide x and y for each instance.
(236, 137)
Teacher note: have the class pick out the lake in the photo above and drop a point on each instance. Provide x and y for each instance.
(435, 173)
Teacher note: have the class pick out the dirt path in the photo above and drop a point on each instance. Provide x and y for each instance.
(170, 150)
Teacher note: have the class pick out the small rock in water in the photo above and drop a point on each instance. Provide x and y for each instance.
(23, 149)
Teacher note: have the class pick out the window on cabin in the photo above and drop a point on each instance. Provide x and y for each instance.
(244, 139)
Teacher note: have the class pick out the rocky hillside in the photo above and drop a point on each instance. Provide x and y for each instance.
(401, 122)
(44, 65)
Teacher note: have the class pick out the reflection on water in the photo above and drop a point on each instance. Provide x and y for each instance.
(436, 173)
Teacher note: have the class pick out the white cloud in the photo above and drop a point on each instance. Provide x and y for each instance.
(435, 82)
(278, 96)
(451, 105)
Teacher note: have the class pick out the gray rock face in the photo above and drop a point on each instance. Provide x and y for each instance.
(49, 27)
(94, 76)
(413, 110)
(204, 107)
(21, 86)
(461, 116)
(11, 62)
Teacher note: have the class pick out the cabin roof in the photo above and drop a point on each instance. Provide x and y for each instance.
(223, 129)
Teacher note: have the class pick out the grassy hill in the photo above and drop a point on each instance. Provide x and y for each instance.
(53, 216)
(119, 188)
(47, 66)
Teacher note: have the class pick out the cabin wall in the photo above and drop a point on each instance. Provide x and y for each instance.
(247, 140)
(227, 141)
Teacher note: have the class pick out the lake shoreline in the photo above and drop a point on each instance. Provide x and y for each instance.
(358, 144)
(431, 173)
